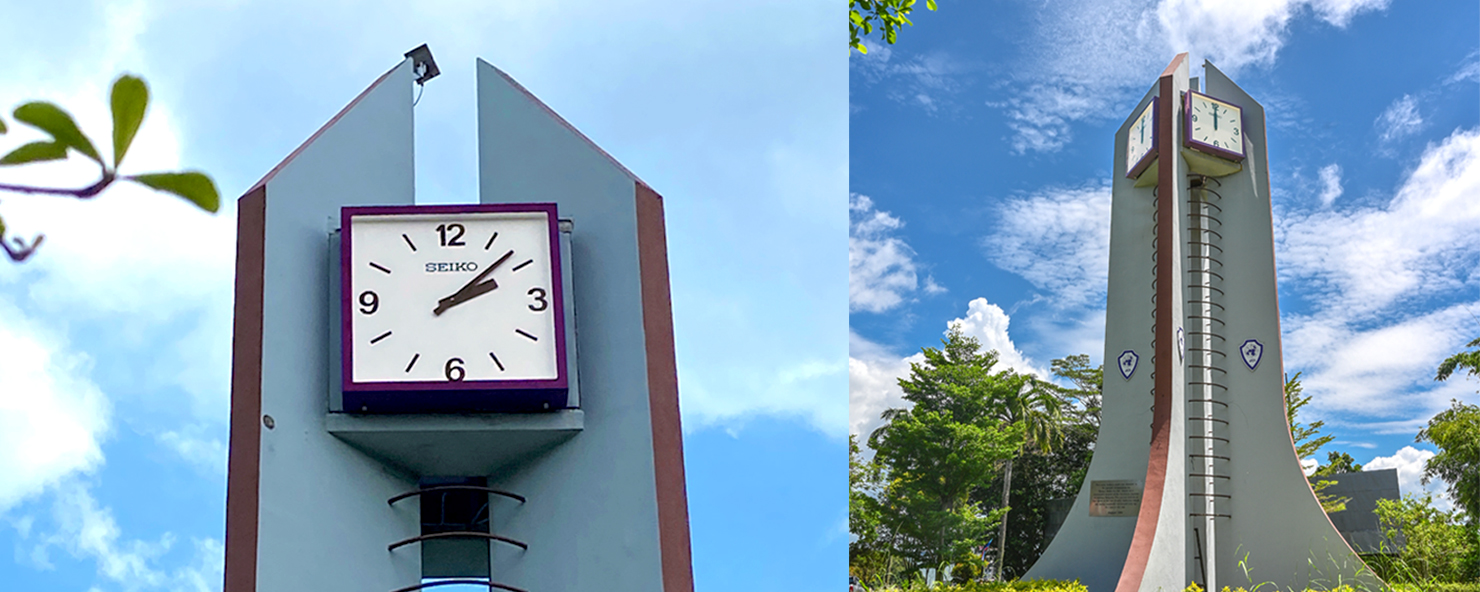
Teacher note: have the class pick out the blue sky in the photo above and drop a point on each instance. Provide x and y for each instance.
(115, 338)
(981, 151)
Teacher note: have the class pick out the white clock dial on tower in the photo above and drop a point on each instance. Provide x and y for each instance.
(452, 297)
(1214, 126)
(1140, 143)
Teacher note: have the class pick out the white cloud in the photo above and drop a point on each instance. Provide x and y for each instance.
(87, 529)
(805, 389)
(1470, 70)
(1399, 120)
(1381, 371)
(1330, 184)
(1420, 243)
(988, 324)
(874, 372)
(873, 384)
(1409, 463)
(925, 81)
(1094, 58)
(52, 417)
(198, 445)
(1057, 239)
(881, 266)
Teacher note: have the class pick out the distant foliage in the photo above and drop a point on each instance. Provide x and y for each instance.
(1456, 433)
(1013, 586)
(1434, 545)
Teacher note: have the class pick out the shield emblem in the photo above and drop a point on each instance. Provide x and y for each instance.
(1251, 351)
(1127, 362)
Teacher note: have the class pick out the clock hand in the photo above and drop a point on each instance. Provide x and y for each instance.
(473, 289)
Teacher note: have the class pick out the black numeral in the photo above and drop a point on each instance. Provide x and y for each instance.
(539, 296)
(1215, 144)
(1194, 118)
(369, 302)
(1235, 131)
(454, 370)
(456, 239)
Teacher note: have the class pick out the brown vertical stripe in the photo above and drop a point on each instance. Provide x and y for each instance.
(1166, 338)
(243, 464)
(662, 378)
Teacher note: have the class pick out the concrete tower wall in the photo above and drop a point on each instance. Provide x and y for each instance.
(1095, 549)
(606, 509)
(1277, 529)
(304, 510)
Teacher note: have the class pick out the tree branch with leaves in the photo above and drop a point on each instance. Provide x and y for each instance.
(129, 101)
(890, 15)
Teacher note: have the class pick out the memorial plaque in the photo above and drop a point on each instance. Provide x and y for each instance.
(1114, 498)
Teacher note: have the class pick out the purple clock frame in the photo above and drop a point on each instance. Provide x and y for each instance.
(1203, 146)
(1150, 155)
(449, 396)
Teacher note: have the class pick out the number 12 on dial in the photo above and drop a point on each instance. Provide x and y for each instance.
(452, 308)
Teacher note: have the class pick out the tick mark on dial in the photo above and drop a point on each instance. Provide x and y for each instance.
(377, 266)
(413, 362)
(490, 241)
(531, 337)
(380, 337)
(521, 266)
(408, 242)
(495, 361)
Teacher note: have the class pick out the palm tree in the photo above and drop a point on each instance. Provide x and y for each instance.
(1023, 398)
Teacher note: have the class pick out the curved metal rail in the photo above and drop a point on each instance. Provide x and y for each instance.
(458, 534)
(490, 583)
(441, 488)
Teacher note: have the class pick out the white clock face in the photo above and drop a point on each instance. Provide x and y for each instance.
(452, 297)
(1215, 123)
(1142, 137)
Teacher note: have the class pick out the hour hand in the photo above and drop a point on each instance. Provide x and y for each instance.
(465, 294)
(472, 289)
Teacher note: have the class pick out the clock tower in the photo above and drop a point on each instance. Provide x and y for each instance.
(1195, 476)
(477, 393)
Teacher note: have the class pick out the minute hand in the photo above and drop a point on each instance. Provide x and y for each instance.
(473, 289)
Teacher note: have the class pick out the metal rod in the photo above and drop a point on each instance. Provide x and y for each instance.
(461, 534)
(438, 488)
(490, 583)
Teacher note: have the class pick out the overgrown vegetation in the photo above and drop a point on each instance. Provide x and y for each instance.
(965, 476)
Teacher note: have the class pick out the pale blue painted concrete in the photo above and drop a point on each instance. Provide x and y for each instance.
(591, 520)
(323, 523)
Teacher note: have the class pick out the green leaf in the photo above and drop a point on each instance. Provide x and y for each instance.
(930, 4)
(53, 120)
(130, 98)
(2, 126)
(196, 187)
(35, 152)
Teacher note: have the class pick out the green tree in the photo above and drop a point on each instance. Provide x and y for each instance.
(1456, 433)
(1307, 437)
(1434, 547)
(129, 101)
(1338, 463)
(936, 452)
(1466, 360)
(1308, 441)
(1041, 476)
(933, 461)
(1022, 399)
(891, 15)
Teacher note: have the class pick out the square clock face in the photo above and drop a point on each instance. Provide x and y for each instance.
(452, 308)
